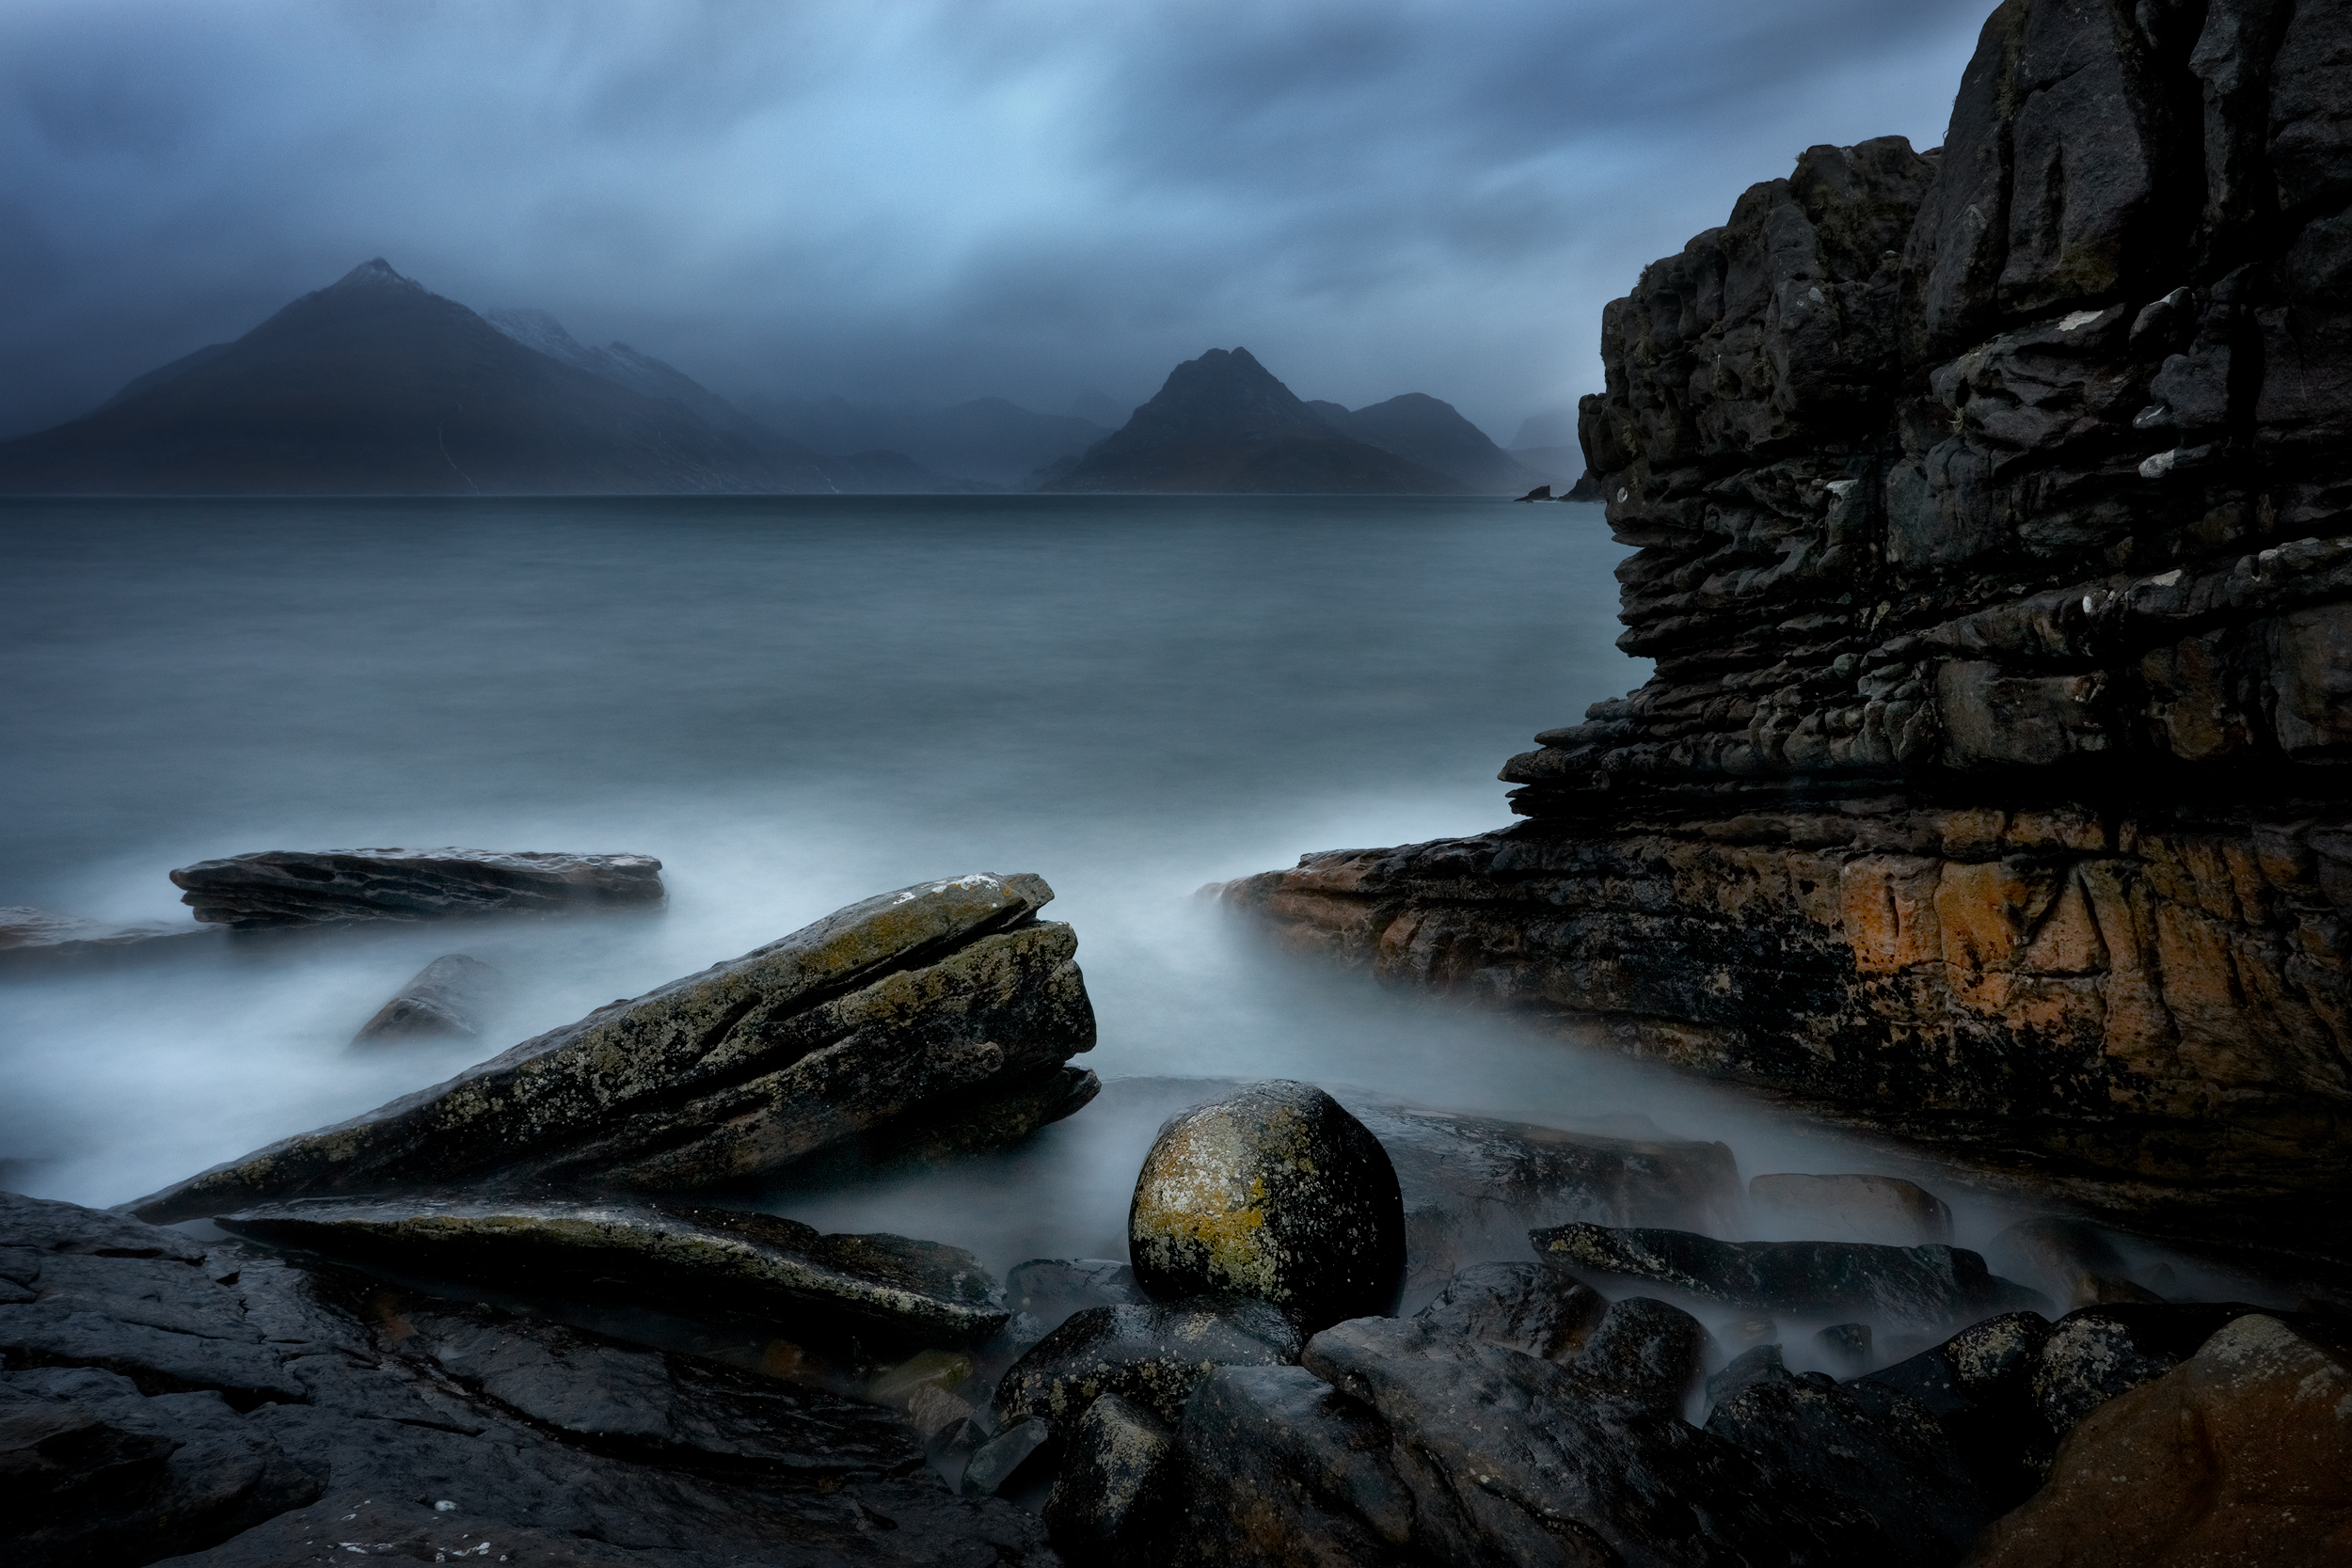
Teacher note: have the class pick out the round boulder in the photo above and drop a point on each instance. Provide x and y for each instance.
(1276, 1194)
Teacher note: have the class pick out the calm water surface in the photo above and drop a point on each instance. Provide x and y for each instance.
(794, 704)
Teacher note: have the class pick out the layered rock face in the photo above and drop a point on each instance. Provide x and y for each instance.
(1994, 554)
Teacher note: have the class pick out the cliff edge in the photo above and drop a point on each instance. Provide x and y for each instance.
(1990, 507)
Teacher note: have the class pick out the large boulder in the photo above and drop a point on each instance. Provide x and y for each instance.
(672, 1256)
(158, 1399)
(1928, 1286)
(2243, 1454)
(1275, 1192)
(284, 887)
(907, 1003)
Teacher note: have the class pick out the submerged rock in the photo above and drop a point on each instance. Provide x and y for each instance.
(1275, 1192)
(673, 1256)
(1923, 1285)
(227, 1405)
(443, 999)
(2241, 1455)
(33, 940)
(1883, 1210)
(906, 1002)
(1472, 1186)
(1152, 1357)
(285, 887)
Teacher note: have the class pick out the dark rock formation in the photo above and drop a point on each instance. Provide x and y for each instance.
(1117, 1487)
(159, 1399)
(1429, 431)
(443, 999)
(1279, 1471)
(292, 887)
(1152, 1357)
(1276, 1194)
(720, 1261)
(1536, 1308)
(1868, 1443)
(1883, 1210)
(906, 1002)
(1920, 1285)
(2243, 1454)
(1474, 1186)
(1993, 547)
(2092, 1355)
(1223, 424)
(1646, 1352)
(1979, 1386)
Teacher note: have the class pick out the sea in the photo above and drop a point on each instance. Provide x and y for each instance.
(794, 703)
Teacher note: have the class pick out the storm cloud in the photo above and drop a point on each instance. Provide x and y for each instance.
(921, 200)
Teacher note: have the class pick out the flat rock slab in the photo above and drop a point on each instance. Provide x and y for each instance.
(292, 887)
(683, 1258)
(347, 1412)
(32, 939)
(1925, 1285)
(908, 1003)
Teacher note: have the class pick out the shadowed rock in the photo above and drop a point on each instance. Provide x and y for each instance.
(904, 1002)
(670, 1256)
(1536, 1308)
(1979, 1386)
(1275, 1192)
(1152, 1357)
(1281, 1470)
(443, 999)
(1117, 1485)
(284, 887)
(2093, 1355)
(1924, 1285)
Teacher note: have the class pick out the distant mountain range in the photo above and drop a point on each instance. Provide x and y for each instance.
(376, 386)
(1223, 423)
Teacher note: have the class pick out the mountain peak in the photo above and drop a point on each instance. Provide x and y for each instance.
(376, 273)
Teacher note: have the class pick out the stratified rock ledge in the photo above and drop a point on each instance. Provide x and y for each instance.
(284, 887)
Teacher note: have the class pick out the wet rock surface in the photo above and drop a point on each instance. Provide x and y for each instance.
(1117, 1487)
(667, 1254)
(1536, 1308)
(1152, 1357)
(443, 999)
(1276, 1194)
(1279, 1468)
(2243, 1453)
(157, 1398)
(908, 1001)
(1883, 1211)
(285, 887)
(1921, 1285)
(1993, 515)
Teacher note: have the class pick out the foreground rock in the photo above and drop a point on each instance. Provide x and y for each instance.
(158, 1399)
(1474, 1186)
(1151, 1356)
(1919, 1285)
(680, 1258)
(910, 1001)
(1276, 1194)
(285, 887)
(443, 999)
(1994, 528)
(2242, 1454)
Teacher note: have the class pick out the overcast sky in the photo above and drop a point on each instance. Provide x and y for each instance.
(896, 199)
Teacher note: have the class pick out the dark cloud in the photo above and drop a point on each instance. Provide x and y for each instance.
(926, 201)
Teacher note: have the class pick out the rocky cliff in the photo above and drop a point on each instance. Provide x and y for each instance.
(1994, 554)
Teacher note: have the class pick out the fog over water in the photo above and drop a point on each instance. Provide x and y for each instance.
(794, 703)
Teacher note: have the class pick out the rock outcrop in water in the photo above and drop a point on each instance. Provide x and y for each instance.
(919, 1001)
(1994, 509)
(288, 887)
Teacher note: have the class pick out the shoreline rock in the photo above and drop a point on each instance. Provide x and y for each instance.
(288, 887)
(905, 1002)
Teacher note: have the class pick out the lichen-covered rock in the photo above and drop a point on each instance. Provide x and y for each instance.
(1922, 1285)
(1884, 1210)
(1276, 1194)
(672, 1256)
(1538, 1307)
(1152, 1357)
(1993, 515)
(283, 887)
(1117, 1486)
(444, 998)
(2241, 1454)
(908, 1001)
(2097, 1353)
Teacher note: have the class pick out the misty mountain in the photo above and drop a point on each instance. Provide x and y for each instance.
(1421, 429)
(624, 366)
(376, 386)
(988, 439)
(1222, 423)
